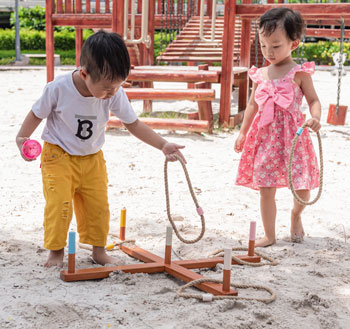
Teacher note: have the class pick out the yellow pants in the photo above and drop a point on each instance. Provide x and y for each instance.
(83, 180)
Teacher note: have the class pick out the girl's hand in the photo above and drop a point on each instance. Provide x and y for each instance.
(171, 149)
(314, 124)
(239, 143)
(19, 142)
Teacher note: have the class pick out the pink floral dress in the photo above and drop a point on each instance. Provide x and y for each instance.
(265, 157)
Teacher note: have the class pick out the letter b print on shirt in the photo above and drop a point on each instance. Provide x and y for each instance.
(84, 126)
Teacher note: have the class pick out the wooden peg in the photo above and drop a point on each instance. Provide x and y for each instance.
(168, 243)
(71, 252)
(251, 245)
(122, 224)
(226, 285)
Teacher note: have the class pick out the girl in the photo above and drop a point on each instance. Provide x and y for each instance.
(275, 103)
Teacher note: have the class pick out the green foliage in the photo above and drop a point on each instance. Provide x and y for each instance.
(34, 19)
(35, 40)
(67, 57)
(321, 52)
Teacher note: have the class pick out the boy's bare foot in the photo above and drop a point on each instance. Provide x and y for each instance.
(264, 242)
(296, 228)
(100, 256)
(55, 258)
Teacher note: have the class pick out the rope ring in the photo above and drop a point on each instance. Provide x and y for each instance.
(198, 208)
(290, 180)
(210, 297)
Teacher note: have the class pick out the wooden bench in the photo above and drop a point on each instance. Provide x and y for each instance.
(167, 124)
(57, 58)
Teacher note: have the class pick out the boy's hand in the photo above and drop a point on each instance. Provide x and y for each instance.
(239, 143)
(171, 149)
(314, 124)
(19, 142)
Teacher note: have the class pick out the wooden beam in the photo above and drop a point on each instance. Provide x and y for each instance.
(166, 124)
(314, 9)
(174, 76)
(168, 94)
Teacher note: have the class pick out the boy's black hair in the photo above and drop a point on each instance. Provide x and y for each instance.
(104, 55)
(290, 20)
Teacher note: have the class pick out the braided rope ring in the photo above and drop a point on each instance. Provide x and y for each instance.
(290, 180)
(199, 209)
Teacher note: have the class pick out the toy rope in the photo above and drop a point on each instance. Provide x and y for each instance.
(290, 181)
(88, 247)
(234, 285)
(199, 209)
(220, 253)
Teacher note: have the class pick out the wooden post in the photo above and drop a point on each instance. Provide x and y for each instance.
(148, 53)
(88, 6)
(78, 35)
(118, 16)
(168, 243)
(251, 245)
(50, 47)
(122, 224)
(227, 62)
(210, 8)
(244, 61)
(71, 252)
(226, 282)
(78, 45)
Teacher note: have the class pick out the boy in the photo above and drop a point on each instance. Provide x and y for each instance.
(76, 106)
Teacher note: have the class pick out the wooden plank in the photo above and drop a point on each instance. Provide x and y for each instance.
(104, 272)
(186, 275)
(209, 59)
(107, 7)
(168, 94)
(334, 9)
(166, 124)
(174, 76)
(83, 20)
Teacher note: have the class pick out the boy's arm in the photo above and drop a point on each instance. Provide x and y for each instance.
(149, 136)
(30, 123)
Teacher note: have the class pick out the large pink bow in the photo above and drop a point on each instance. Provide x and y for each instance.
(282, 94)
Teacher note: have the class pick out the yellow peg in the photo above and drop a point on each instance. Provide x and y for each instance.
(122, 223)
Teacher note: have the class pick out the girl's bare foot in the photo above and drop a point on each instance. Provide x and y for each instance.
(296, 228)
(264, 242)
(55, 258)
(100, 256)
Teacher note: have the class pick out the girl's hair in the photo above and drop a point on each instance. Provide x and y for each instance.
(289, 20)
(105, 55)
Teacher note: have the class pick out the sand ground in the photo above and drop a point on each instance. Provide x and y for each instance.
(312, 280)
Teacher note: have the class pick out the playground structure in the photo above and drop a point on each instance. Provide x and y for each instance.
(201, 39)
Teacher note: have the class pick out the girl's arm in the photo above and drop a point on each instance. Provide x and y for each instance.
(311, 97)
(249, 114)
(149, 136)
(30, 123)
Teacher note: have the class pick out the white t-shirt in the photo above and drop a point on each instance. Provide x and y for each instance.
(77, 123)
